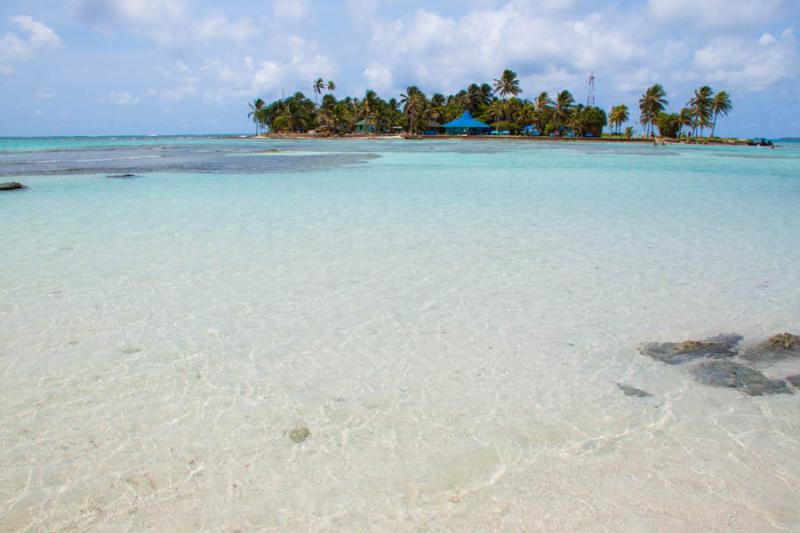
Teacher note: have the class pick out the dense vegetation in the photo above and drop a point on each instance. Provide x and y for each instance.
(700, 113)
(497, 104)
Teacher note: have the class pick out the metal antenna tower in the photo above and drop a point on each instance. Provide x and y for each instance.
(590, 91)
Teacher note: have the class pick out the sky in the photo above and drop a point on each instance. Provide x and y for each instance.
(93, 67)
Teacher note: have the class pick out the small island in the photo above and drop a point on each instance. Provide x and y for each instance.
(492, 110)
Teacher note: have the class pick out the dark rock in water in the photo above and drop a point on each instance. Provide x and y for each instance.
(784, 341)
(735, 376)
(674, 353)
(780, 346)
(299, 434)
(11, 186)
(627, 390)
(121, 176)
(794, 380)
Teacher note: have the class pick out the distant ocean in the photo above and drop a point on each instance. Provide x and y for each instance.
(449, 320)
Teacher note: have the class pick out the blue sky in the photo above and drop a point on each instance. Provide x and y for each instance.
(191, 66)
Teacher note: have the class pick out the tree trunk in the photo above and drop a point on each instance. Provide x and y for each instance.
(714, 125)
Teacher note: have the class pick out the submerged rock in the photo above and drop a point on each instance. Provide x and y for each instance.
(794, 380)
(784, 341)
(780, 346)
(735, 376)
(673, 353)
(130, 349)
(121, 176)
(299, 434)
(628, 390)
(11, 186)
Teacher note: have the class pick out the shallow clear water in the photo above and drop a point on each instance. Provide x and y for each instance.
(449, 319)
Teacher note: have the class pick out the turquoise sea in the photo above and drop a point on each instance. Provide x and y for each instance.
(449, 319)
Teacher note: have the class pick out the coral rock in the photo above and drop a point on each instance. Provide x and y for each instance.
(673, 353)
(735, 376)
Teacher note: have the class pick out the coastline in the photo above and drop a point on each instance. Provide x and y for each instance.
(521, 138)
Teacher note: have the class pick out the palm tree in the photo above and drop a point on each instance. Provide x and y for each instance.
(487, 92)
(416, 109)
(497, 110)
(562, 109)
(477, 98)
(331, 87)
(577, 120)
(326, 121)
(255, 111)
(528, 114)
(543, 102)
(652, 102)
(507, 84)
(685, 119)
(720, 106)
(544, 108)
(369, 106)
(414, 106)
(437, 107)
(700, 104)
(618, 116)
(318, 86)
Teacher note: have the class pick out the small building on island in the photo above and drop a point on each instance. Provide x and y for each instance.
(432, 128)
(362, 126)
(466, 125)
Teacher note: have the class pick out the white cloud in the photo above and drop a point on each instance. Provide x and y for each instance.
(44, 94)
(16, 49)
(122, 98)
(379, 77)
(362, 11)
(306, 61)
(179, 83)
(290, 9)
(266, 77)
(173, 23)
(751, 65)
(445, 52)
(292, 64)
(222, 81)
(40, 35)
(552, 46)
(240, 80)
(717, 13)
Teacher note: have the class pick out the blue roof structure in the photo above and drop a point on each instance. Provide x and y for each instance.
(465, 122)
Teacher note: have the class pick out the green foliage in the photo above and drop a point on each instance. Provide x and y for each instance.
(618, 116)
(587, 120)
(415, 111)
(561, 111)
(720, 106)
(507, 84)
(652, 102)
(256, 110)
(701, 107)
(668, 124)
(282, 124)
(512, 127)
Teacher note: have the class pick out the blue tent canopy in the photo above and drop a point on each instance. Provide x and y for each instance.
(466, 124)
(530, 129)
